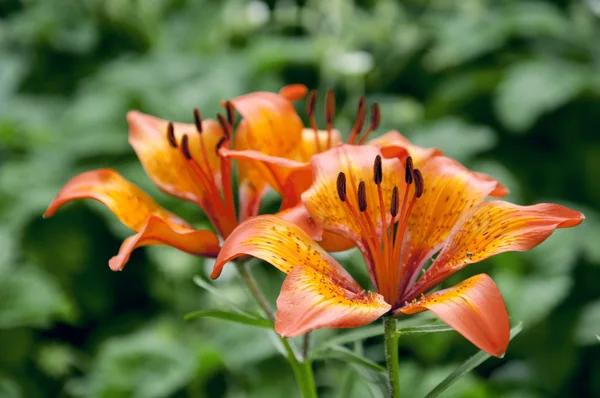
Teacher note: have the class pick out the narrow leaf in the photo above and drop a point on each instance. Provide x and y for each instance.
(230, 316)
(424, 329)
(362, 333)
(211, 289)
(467, 366)
(346, 355)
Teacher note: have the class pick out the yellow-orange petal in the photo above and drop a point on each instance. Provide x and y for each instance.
(129, 203)
(166, 166)
(298, 215)
(282, 244)
(450, 190)
(312, 143)
(356, 162)
(495, 227)
(270, 125)
(394, 144)
(157, 232)
(474, 308)
(311, 300)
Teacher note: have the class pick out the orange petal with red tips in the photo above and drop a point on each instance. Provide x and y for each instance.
(157, 232)
(495, 227)
(474, 308)
(450, 190)
(394, 144)
(311, 299)
(282, 244)
(166, 165)
(129, 203)
(356, 162)
(270, 126)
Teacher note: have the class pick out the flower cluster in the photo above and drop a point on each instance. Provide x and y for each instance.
(398, 203)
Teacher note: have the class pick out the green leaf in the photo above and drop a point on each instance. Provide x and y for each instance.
(230, 316)
(424, 329)
(211, 289)
(467, 366)
(352, 336)
(346, 355)
(588, 325)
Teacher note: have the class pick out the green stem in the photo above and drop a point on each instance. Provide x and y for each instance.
(302, 368)
(391, 355)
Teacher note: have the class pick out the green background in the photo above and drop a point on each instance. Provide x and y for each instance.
(511, 88)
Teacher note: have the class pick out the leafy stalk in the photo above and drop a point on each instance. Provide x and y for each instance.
(391, 355)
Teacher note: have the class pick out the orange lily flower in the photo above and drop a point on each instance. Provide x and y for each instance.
(399, 217)
(185, 160)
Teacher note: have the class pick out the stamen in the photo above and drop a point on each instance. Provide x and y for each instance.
(329, 113)
(310, 109)
(408, 171)
(418, 183)
(375, 120)
(362, 197)
(394, 205)
(171, 135)
(185, 147)
(360, 120)
(341, 186)
(220, 144)
(198, 120)
(377, 170)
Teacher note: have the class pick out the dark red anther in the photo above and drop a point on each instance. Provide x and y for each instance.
(171, 135)
(362, 196)
(198, 120)
(341, 186)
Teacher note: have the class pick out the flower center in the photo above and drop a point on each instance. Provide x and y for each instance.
(383, 236)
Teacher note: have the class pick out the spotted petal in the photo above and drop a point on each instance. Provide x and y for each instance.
(474, 308)
(165, 165)
(495, 227)
(394, 144)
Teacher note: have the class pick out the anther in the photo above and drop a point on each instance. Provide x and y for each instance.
(230, 113)
(224, 124)
(311, 103)
(329, 108)
(377, 170)
(359, 122)
(375, 117)
(408, 171)
(220, 144)
(198, 120)
(341, 186)
(171, 135)
(418, 182)
(185, 147)
(362, 196)
(394, 205)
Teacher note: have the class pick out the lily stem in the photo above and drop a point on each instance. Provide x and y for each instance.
(391, 355)
(305, 346)
(302, 368)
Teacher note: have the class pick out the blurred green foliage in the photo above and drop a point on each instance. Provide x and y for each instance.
(511, 88)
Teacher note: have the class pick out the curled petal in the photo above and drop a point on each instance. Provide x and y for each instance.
(450, 190)
(495, 227)
(312, 300)
(474, 308)
(282, 244)
(157, 232)
(394, 144)
(298, 215)
(270, 126)
(167, 166)
(129, 203)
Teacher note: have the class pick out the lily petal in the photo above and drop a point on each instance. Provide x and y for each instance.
(450, 190)
(322, 200)
(394, 144)
(312, 143)
(270, 126)
(166, 166)
(157, 232)
(282, 244)
(129, 203)
(495, 227)
(312, 300)
(474, 308)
